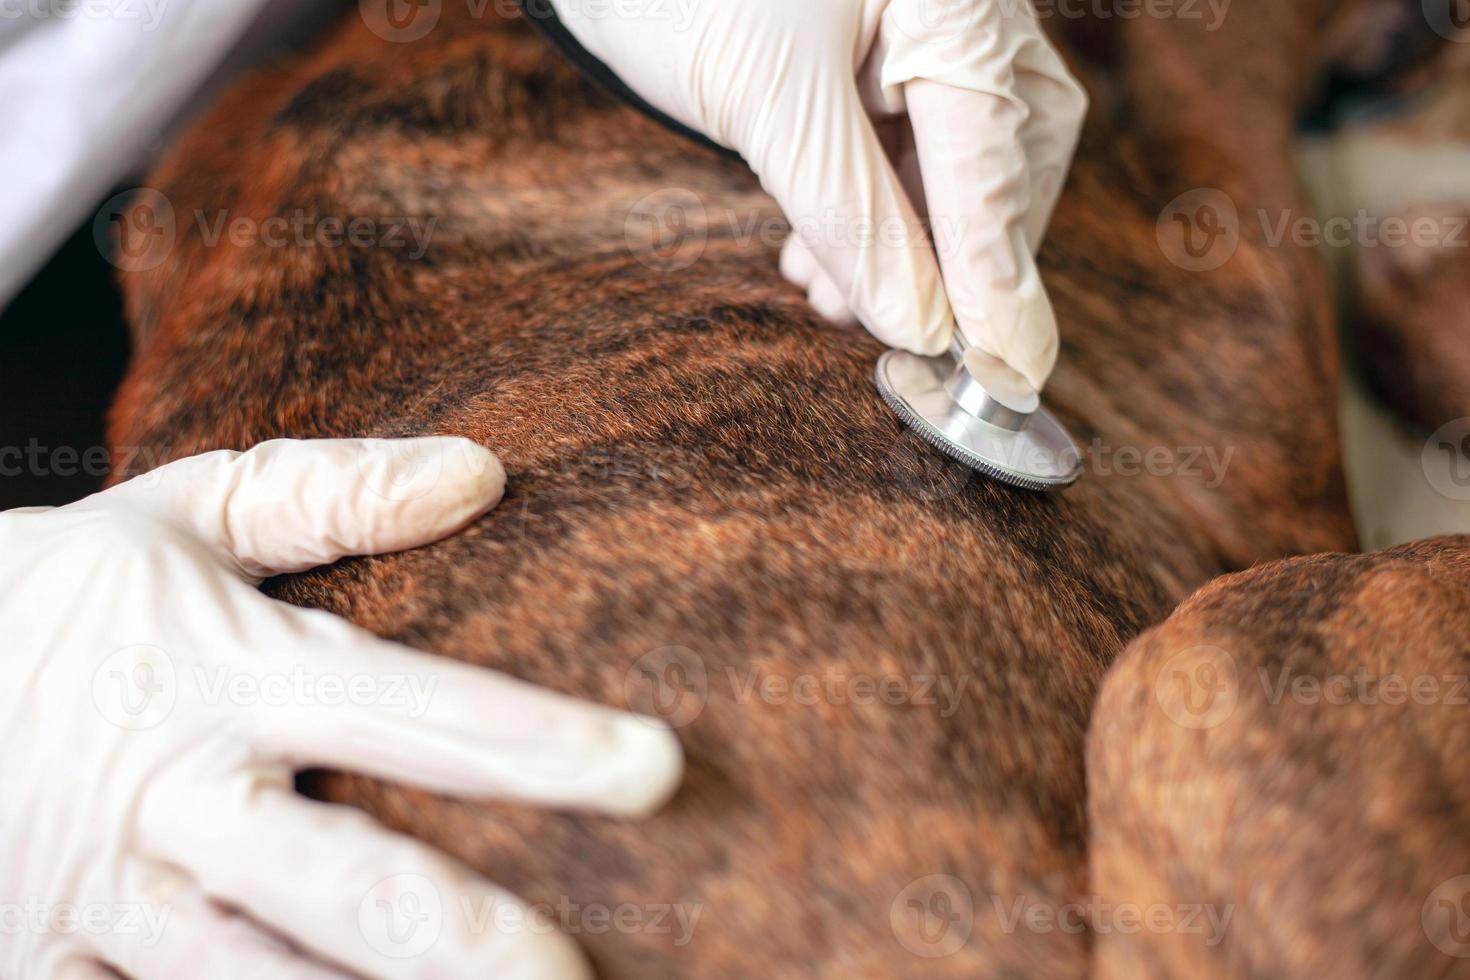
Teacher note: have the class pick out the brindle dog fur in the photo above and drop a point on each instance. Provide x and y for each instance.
(702, 476)
(1281, 755)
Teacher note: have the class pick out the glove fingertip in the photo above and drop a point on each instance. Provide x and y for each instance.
(478, 471)
(650, 771)
(538, 954)
(431, 486)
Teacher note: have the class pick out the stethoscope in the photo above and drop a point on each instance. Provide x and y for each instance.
(971, 408)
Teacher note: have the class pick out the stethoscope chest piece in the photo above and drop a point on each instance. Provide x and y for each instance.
(983, 420)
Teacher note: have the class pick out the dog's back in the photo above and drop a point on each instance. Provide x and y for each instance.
(883, 666)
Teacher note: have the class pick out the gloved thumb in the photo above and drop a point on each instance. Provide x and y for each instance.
(289, 505)
(977, 185)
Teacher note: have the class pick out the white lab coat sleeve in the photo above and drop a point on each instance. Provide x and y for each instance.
(85, 97)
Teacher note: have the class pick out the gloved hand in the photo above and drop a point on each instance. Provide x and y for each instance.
(855, 113)
(155, 706)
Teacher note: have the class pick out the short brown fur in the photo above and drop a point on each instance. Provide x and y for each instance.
(697, 462)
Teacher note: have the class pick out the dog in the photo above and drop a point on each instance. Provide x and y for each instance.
(882, 666)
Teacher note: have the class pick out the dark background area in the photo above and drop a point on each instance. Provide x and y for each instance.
(63, 341)
(63, 349)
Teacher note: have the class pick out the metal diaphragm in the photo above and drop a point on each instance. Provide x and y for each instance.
(1006, 437)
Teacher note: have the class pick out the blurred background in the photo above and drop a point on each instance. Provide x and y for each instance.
(63, 339)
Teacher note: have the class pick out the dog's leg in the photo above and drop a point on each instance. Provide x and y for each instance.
(1276, 776)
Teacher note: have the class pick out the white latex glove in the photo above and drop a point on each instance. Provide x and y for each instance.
(156, 705)
(855, 113)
